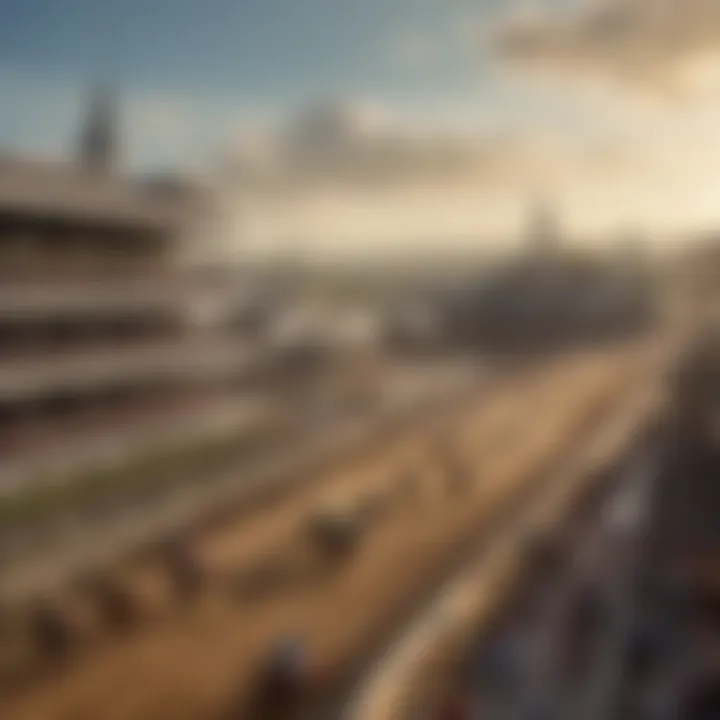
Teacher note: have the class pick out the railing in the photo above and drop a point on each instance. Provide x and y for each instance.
(411, 677)
(161, 361)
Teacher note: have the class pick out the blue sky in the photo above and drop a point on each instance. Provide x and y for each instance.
(191, 73)
(223, 45)
(222, 60)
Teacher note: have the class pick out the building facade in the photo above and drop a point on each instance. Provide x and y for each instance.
(97, 348)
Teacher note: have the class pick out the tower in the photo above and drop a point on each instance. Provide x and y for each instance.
(98, 141)
(543, 231)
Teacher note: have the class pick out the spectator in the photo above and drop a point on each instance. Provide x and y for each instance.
(703, 702)
(504, 662)
(537, 710)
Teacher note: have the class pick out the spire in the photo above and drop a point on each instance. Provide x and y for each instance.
(544, 229)
(98, 142)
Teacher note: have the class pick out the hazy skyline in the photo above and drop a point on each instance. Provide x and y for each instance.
(392, 121)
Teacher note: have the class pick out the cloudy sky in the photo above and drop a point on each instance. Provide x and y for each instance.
(337, 124)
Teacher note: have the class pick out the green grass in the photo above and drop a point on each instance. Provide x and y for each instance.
(161, 467)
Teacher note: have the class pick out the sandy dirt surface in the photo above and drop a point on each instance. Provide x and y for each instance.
(189, 663)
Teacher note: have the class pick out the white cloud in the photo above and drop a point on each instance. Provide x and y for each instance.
(668, 47)
(358, 145)
(344, 178)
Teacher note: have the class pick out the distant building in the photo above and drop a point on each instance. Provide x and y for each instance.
(547, 294)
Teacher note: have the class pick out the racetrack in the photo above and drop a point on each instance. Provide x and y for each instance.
(194, 660)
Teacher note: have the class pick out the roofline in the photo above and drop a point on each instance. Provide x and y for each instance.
(87, 216)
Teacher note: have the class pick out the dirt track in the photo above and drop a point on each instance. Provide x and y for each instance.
(190, 663)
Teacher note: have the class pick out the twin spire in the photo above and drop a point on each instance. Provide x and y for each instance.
(98, 147)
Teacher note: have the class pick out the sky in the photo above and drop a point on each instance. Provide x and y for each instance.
(220, 61)
(382, 124)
